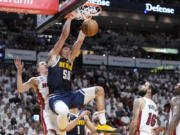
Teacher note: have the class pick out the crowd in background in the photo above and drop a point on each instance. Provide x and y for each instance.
(20, 34)
(20, 111)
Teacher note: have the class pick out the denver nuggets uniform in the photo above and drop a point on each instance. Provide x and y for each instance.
(79, 129)
(59, 83)
(48, 118)
(147, 118)
(173, 110)
(59, 76)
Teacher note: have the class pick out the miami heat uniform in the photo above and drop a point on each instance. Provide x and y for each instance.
(147, 120)
(173, 110)
(48, 118)
(79, 129)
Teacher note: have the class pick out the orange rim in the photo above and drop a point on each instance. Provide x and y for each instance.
(93, 4)
(68, 15)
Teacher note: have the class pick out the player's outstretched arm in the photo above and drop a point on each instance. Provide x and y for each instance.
(90, 125)
(77, 45)
(134, 122)
(72, 124)
(22, 87)
(64, 35)
(174, 122)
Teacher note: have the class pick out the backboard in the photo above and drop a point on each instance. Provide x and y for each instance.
(65, 7)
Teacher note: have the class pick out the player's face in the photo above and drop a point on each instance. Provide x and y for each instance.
(145, 87)
(65, 52)
(42, 66)
(177, 89)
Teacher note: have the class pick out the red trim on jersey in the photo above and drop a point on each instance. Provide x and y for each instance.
(174, 132)
(139, 123)
(42, 103)
(41, 99)
(43, 123)
(54, 131)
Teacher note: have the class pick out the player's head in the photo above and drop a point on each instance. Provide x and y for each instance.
(177, 89)
(147, 88)
(42, 67)
(65, 51)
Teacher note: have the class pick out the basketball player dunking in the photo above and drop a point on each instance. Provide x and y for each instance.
(174, 118)
(145, 112)
(39, 84)
(61, 98)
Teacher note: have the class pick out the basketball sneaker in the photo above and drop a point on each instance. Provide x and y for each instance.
(107, 129)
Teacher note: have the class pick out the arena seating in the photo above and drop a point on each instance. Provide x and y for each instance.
(120, 91)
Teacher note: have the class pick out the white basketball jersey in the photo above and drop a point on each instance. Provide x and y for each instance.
(173, 110)
(43, 92)
(148, 117)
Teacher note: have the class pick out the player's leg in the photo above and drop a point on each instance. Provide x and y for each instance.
(97, 93)
(62, 110)
(43, 122)
(50, 119)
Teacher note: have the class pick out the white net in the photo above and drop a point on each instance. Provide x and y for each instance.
(88, 10)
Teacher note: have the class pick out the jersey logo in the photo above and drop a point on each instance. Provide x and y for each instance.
(65, 65)
(44, 85)
(80, 122)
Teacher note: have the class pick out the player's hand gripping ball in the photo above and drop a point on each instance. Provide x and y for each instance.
(89, 27)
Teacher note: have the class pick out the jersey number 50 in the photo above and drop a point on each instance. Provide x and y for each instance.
(151, 120)
(66, 75)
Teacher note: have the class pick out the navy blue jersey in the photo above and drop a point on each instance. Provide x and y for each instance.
(79, 129)
(59, 76)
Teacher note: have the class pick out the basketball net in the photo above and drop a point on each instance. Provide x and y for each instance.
(86, 11)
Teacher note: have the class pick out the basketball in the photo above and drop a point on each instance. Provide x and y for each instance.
(89, 27)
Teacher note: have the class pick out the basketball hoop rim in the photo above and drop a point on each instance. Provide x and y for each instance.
(93, 4)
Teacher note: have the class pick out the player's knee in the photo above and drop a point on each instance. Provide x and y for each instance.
(99, 91)
(50, 132)
(61, 108)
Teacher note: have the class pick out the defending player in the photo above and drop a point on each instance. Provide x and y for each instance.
(174, 120)
(145, 112)
(82, 124)
(39, 84)
(60, 62)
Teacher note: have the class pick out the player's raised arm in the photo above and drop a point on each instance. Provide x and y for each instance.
(72, 124)
(64, 35)
(134, 122)
(90, 125)
(174, 122)
(22, 87)
(77, 45)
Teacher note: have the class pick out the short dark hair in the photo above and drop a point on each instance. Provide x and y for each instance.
(66, 45)
(153, 88)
